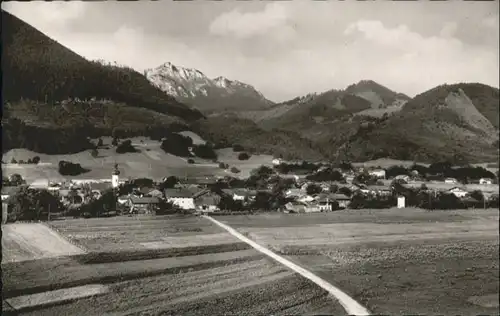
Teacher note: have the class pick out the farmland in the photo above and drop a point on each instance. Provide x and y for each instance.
(393, 261)
(22, 242)
(171, 264)
(151, 162)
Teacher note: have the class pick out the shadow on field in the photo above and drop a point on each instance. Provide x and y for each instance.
(147, 254)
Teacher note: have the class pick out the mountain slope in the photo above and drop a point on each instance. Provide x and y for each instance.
(378, 95)
(455, 122)
(41, 69)
(442, 123)
(55, 99)
(226, 130)
(193, 87)
(363, 98)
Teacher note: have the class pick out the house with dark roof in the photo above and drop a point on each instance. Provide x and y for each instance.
(143, 205)
(149, 192)
(180, 197)
(325, 201)
(207, 201)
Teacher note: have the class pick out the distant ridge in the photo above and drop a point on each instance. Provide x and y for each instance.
(193, 87)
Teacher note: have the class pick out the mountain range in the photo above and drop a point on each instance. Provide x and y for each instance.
(52, 91)
(191, 86)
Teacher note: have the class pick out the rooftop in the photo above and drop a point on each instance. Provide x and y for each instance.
(144, 200)
(179, 193)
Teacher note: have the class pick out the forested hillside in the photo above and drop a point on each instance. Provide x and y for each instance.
(41, 69)
(49, 90)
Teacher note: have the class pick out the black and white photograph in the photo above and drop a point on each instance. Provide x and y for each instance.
(250, 157)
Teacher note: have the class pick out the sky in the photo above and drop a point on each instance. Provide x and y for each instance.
(286, 49)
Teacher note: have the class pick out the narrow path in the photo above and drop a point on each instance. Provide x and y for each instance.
(350, 305)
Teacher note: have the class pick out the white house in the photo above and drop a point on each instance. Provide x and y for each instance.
(458, 192)
(181, 198)
(123, 199)
(239, 195)
(305, 198)
(485, 181)
(379, 173)
(277, 161)
(376, 189)
(403, 177)
(401, 202)
(349, 178)
(450, 180)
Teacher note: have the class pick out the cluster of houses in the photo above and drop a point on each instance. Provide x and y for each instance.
(195, 193)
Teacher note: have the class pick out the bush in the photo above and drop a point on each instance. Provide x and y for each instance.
(326, 175)
(13, 160)
(169, 183)
(94, 153)
(334, 188)
(478, 195)
(313, 189)
(100, 143)
(223, 165)
(395, 171)
(143, 182)
(237, 148)
(346, 166)
(205, 151)
(126, 147)
(104, 204)
(35, 160)
(360, 201)
(16, 179)
(235, 170)
(67, 168)
(243, 156)
(190, 161)
(30, 205)
(345, 191)
(178, 145)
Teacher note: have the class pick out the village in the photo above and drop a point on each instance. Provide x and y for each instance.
(287, 186)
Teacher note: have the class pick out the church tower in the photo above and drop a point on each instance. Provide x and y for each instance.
(115, 178)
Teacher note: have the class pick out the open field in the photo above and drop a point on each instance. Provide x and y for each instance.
(56, 296)
(393, 261)
(227, 155)
(151, 162)
(171, 264)
(22, 242)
